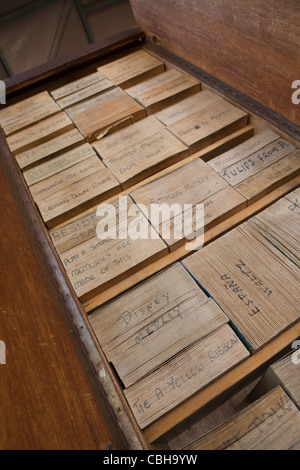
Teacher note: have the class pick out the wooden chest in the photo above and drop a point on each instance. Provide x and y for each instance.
(198, 107)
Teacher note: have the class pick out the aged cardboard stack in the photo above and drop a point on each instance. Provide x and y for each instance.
(125, 130)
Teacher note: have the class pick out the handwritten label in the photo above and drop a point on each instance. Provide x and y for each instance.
(145, 310)
(185, 374)
(229, 283)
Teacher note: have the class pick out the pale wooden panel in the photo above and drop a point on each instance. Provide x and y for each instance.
(146, 326)
(50, 148)
(286, 373)
(108, 117)
(123, 139)
(271, 423)
(77, 85)
(83, 227)
(212, 123)
(146, 158)
(280, 224)
(204, 215)
(252, 281)
(67, 193)
(132, 68)
(39, 133)
(58, 164)
(99, 263)
(185, 374)
(270, 177)
(27, 112)
(188, 106)
(97, 88)
(93, 101)
(163, 90)
(140, 150)
(196, 184)
(243, 151)
(258, 165)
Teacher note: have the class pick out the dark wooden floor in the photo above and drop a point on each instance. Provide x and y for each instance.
(46, 400)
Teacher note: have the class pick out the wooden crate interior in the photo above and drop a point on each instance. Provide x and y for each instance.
(185, 334)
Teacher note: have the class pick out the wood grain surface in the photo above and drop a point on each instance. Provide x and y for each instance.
(47, 401)
(253, 46)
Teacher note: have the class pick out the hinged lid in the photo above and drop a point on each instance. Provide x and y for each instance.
(252, 46)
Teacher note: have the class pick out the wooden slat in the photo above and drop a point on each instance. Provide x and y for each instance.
(270, 177)
(76, 85)
(272, 153)
(279, 223)
(283, 372)
(251, 281)
(123, 139)
(51, 148)
(184, 375)
(109, 116)
(216, 390)
(27, 112)
(69, 192)
(243, 151)
(271, 423)
(82, 95)
(58, 164)
(83, 227)
(208, 125)
(163, 90)
(39, 133)
(93, 101)
(204, 215)
(96, 264)
(140, 150)
(132, 68)
(258, 165)
(187, 107)
(148, 325)
(149, 156)
(196, 184)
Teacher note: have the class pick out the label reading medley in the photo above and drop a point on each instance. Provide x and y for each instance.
(145, 327)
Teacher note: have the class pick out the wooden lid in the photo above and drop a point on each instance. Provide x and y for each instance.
(252, 46)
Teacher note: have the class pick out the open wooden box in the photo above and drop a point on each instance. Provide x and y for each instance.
(233, 51)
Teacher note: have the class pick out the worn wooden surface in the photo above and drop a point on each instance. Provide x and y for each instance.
(132, 68)
(46, 398)
(253, 46)
(151, 323)
(259, 297)
(49, 149)
(39, 133)
(163, 90)
(271, 423)
(123, 287)
(140, 150)
(73, 190)
(185, 374)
